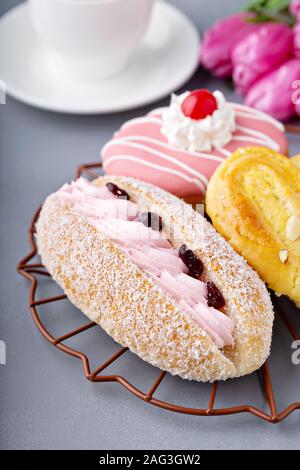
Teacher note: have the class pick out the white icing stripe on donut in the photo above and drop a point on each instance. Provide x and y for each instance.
(254, 140)
(161, 155)
(261, 137)
(198, 183)
(150, 140)
(225, 152)
(257, 118)
(251, 113)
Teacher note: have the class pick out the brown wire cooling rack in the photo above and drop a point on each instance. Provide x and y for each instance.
(33, 271)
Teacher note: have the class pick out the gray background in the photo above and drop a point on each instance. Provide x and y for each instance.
(45, 400)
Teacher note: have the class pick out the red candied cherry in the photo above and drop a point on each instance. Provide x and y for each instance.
(199, 104)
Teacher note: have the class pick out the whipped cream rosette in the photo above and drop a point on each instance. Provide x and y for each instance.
(213, 131)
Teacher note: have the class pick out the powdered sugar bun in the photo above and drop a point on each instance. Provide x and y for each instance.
(111, 290)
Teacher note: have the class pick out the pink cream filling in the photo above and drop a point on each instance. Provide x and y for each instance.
(150, 251)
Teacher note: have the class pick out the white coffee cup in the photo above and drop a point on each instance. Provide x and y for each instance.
(90, 38)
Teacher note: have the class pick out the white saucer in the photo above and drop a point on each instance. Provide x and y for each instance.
(166, 59)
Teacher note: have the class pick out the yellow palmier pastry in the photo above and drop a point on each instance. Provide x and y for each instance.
(253, 200)
(296, 160)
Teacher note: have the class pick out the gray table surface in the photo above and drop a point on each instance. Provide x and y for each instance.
(46, 403)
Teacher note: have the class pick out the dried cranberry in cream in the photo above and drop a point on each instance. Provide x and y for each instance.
(116, 191)
(191, 260)
(214, 297)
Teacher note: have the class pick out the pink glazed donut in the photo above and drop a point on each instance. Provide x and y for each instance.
(179, 147)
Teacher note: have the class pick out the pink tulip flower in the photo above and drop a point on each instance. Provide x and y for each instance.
(297, 40)
(296, 96)
(219, 40)
(295, 8)
(259, 53)
(275, 93)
